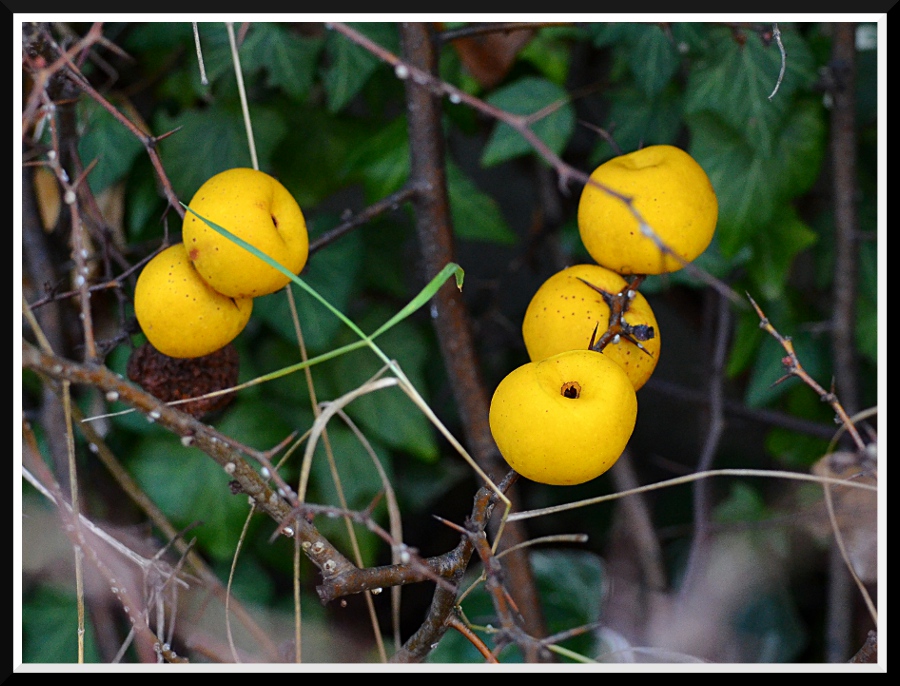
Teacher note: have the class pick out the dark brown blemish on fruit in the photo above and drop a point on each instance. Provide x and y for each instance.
(194, 254)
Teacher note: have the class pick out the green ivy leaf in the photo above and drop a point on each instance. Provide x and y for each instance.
(691, 38)
(476, 215)
(801, 146)
(359, 482)
(526, 96)
(290, 60)
(105, 140)
(743, 504)
(387, 249)
(774, 248)
(613, 33)
(550, 51)
(350, 65)
(144, 209)
(867, 322)
(795, 450)
(711, 261)
(768, 367)
(734, 81)
(359, 478)
(867, 302)
(420, 485)
(157, 41)
(381, 160)
(752, 187)
(572, 586)
(251, 581)
(310, 170)
(653, 59)
(251, 424)
(49, 628)
(745, 188)
(766, 371)
(156, 37)
(746, 341)
(215, 139)
(286, 396)
(215, 47)
(636, 120)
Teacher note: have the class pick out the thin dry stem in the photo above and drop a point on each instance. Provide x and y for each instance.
(776, 34)
(456, 623)
(689, 478)
(793, 368)
(234, 558)
(239, 76)
(332, 465)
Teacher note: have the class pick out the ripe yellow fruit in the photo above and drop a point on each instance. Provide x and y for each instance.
(258, 209)
(564, 420)
(181, 315)
(564, 312)
(670, 191)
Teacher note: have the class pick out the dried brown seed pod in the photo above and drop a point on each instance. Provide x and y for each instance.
(173, 378)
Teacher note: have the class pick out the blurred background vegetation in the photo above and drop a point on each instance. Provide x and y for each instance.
(329, 120)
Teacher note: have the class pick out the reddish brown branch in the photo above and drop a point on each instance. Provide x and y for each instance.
(843, 144)
(451, 321)
(793, 367)
(512, 630)
(455, 622)
(443, 604)
(846, 220)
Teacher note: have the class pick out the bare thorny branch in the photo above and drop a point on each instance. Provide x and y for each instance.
(793, 367)
(339, 576)
(218, 446)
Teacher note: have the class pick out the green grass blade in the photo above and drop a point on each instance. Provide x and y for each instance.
(424, 295)
(421, 298)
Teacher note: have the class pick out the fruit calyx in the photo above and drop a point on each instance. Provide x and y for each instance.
(571, 390)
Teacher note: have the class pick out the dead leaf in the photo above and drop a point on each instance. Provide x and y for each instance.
(49, 200)
(855, 511)
(489, 58)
